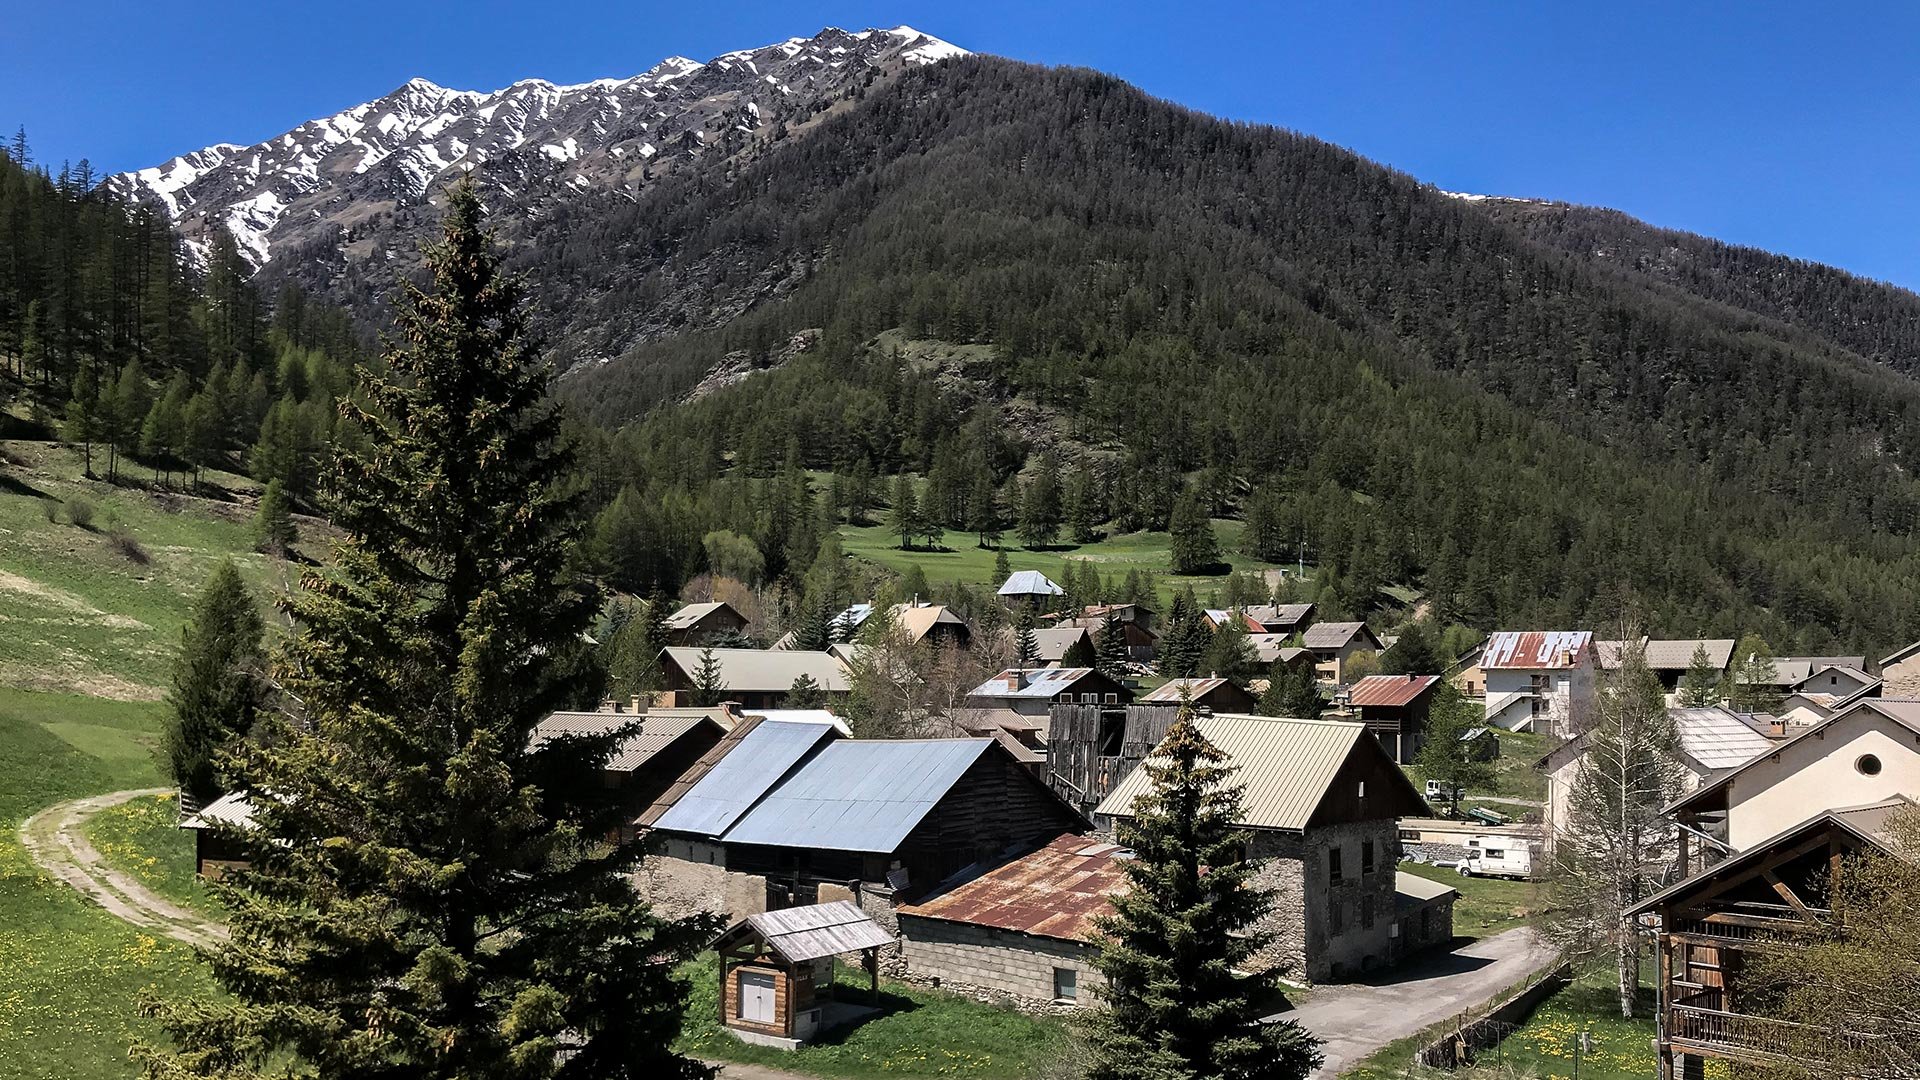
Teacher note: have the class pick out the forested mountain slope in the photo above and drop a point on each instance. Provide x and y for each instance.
(1438, 396)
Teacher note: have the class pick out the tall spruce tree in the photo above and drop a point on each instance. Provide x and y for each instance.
(429, 895)
(709, 685)
(1700, 686)
(273, 528)
(1026, 649)
(1110, 646)
(216, 689)
(1195, 549)
(1181, 932)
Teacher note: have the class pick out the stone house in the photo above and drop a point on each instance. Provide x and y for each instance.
(1322, 801)
(1540, 681)
(1022, 930)
(788, 814)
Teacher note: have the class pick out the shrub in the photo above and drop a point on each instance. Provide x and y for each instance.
(80, 512)
(123, 542)
(50, 509)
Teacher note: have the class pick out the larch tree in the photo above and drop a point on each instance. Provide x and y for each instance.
(1195, 549)
(1443, 756)
(430, 895)
(1615, 846)
(1174, 948)
(217, 689)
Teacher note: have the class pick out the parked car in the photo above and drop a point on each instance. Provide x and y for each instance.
(1499, 856)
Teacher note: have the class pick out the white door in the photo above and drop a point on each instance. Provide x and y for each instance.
(756, 997)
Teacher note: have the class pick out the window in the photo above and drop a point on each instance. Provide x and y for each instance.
(1336, 918)
(1113, 733)
(1089, 699)
(1366, 913)
(1868, 765)
(1113, 699)
(1333, 866)
(1495, 853)
(1066, 984)
(1366, 856)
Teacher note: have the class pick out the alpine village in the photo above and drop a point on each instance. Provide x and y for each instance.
(856, 558)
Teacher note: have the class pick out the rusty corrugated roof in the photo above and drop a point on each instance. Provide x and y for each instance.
(1390, 690)
(1533, 650)
(1053, 892)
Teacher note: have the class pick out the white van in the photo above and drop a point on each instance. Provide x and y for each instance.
(1500, 856)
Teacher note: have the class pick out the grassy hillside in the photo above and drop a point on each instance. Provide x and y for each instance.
(98, 609)
(72, 972)
(963, 561)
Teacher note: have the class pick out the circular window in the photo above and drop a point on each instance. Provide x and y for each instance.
(1868, 765)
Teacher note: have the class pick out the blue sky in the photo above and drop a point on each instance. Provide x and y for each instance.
(1790, 127)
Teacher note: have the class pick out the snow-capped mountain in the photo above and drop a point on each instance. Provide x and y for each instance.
(341, 190)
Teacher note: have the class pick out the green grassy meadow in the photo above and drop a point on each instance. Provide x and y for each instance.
(72, 972)
(1486, 906)
(81, 612)
(962, 560)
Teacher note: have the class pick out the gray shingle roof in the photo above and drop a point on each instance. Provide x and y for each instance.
(858, 795)
(766, 670)
(1039, 683)
(658, 730)
(738, 780)
(691, 614)
(1330, 635)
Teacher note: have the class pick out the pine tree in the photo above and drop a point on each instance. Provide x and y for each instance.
(1082, 509)
(124, 411)
(983, 509)
(216, 689)
(1752, 676)
(1002, 568)
(1443, 756)
(805, 693)
(1110, 647)
(1412, 654)
(1700, 686)
(429, 896)
(1186, 638)
(1195, 549)
(1026, 649)
(709, 685)
(273, 528)
(1292, 690)
(1179, 935)
(83, 415)
(1040, 507)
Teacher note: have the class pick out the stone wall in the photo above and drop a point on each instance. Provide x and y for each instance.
(1305, 945)
(1005, 963)
(688, 876)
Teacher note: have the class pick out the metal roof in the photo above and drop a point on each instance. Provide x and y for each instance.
(691, 614)
(1717, 738)
(1902, 711)
(858, 795)
(1270, 647)
(1677, 654)
(1419, 889)
(765, 670)
(657, 730)
(1051, 644)
(1331, 635)
(1280, 614)
(1224, 616)
(1054, 892)
(1169, 692)
(746, 771)
(802, 716)
(1039, 683)
(1534, 650)
(1390, 690)
(799, 934)
(234, 808)
(1793, 670)
(1030, 583)
(1284, 765)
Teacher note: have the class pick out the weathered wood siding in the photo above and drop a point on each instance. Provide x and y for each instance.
(1076, 767)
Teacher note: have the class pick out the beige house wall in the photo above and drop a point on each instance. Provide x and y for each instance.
(1821, 772)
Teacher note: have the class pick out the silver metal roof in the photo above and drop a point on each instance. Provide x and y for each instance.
(858, 795)
(808, 933)
(766, 670)
(739, 779)
(1331, 635)
(1030, 583)
(1042, 683)
(1285, 766)
(234, 808)
(1718, 739)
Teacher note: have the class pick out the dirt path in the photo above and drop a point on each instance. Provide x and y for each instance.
(56, 839)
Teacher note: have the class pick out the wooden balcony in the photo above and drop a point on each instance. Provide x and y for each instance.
(1742, 1037)
(1743, 930)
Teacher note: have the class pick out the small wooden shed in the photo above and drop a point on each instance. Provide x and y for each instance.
(776, 972)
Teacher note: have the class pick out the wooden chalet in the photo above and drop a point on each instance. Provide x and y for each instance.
(1090, 748)
(702, 624)
(217, 845)
(1710, 925)
(1212, 693)
(1394, 708)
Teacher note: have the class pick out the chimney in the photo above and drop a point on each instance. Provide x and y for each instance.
(1411, 676)
(610, 705)
(1016, 678)
(634, 703)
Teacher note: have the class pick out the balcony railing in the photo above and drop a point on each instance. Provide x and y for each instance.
(1756, 1036)
(1746, 929)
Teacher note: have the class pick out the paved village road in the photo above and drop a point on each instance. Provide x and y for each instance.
(1355, 1019)
(56, 839)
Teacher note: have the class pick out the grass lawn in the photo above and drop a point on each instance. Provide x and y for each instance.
(1544, 1046)
(963, 561)
(1486, 905)
(72, 972)
(82, 614)
(925, 1033)
(1514, 775)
